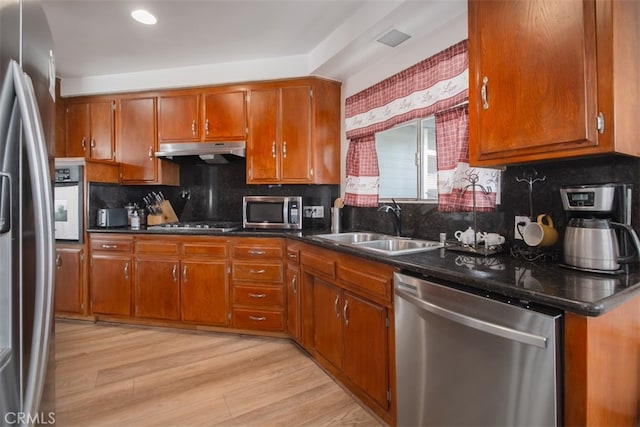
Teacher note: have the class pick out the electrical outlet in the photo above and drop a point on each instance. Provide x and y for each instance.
(520, 220)
(313, 211)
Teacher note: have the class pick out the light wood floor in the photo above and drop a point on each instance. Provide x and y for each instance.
(118, 375)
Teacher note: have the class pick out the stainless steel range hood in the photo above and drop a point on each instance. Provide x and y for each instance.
(209, 152)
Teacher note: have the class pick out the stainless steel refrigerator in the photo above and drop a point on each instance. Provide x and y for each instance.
(27, 128)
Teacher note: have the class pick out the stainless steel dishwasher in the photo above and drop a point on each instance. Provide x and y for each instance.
(466, 359)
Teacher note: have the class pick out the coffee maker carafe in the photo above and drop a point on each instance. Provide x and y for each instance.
(599, 237)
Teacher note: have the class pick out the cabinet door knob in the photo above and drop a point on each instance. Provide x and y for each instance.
(483, 93)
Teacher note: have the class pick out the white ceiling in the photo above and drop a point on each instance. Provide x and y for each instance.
(232, 39)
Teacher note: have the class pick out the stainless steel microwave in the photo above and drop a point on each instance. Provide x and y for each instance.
(283, 212)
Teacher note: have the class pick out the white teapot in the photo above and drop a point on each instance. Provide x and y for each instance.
(467, 237)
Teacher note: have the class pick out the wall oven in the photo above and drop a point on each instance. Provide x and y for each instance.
(68, 205)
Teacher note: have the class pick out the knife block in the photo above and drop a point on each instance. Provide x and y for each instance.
(167, 215)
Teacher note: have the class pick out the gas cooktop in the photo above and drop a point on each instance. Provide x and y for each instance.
(222, 226)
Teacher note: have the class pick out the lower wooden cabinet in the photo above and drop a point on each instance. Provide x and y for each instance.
(346, 312)
(204, 294)
(69, 279)
(111, 275)
(157, 289)
(257, 276)
(293, 288)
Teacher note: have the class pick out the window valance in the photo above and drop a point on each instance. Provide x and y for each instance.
(435, 84)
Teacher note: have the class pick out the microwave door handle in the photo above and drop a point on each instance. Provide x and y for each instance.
(44, 235)
(285, 211)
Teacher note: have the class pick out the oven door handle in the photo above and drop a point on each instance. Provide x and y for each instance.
(472, 322)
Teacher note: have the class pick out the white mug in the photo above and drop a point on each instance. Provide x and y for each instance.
(493, 239)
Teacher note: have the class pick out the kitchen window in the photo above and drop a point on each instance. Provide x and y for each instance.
(407, 161)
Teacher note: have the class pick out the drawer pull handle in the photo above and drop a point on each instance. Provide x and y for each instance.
(252, 295)
(292, 256)
(105, 246)
(257, 271)
(255, 252)
(258, 318)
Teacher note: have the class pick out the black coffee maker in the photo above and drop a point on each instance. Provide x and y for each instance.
(599, 237)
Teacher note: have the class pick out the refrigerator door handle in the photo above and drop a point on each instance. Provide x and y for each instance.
(37, 155)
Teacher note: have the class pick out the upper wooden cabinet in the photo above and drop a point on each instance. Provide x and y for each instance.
(552, 79)
(136, 144)
(294, 133)
(90, 129)
(218, 115)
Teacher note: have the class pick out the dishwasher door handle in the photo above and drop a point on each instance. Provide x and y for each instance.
(481, 325)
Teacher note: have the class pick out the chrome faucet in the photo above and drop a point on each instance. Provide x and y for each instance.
(396, 210)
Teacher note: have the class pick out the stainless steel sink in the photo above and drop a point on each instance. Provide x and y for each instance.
(354, 237)
(380, 243)
(399, 246)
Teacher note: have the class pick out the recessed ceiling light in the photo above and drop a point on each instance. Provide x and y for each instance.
(144, 17)
(393, 38)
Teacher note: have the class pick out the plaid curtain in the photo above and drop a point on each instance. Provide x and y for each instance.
(455, 177)
(435, 84)
(363, 176)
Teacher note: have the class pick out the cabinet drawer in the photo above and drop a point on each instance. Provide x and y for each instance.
(366, 278)
(215, 250)
(318, 264)
(293, 255)
(258, 251)
(258, 319)
(156, 247)
(258, 296)
(257, 272)
(112, 245)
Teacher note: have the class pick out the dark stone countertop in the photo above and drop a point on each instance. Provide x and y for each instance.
(543, 283)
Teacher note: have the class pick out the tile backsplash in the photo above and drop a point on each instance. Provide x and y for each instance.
(212, 192)
(215, 192)
(424, 220)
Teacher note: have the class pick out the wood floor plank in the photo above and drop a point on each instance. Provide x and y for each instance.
(115, 375)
